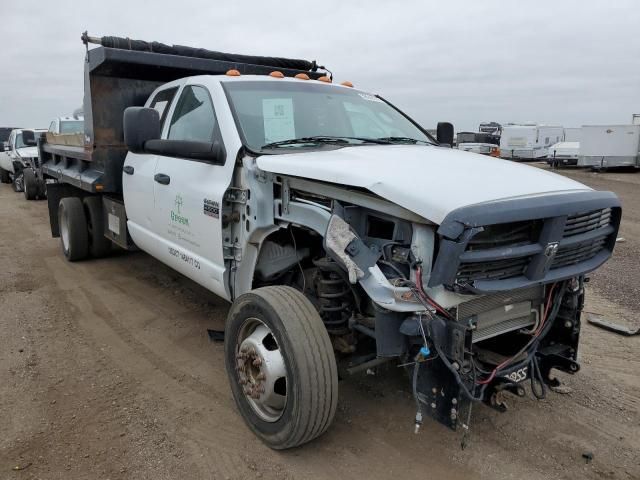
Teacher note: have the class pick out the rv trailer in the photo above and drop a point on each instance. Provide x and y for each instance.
(528, 142)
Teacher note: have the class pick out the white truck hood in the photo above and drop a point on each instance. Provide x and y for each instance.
(27, 152)
(430, 181)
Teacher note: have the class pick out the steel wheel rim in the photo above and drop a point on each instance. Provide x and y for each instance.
(64, 232)
(261, 370)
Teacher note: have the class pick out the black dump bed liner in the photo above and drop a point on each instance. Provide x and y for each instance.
(121, 73)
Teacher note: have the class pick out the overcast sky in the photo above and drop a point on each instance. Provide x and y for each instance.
(560, 62)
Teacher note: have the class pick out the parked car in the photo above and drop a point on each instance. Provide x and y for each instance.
(343, 234)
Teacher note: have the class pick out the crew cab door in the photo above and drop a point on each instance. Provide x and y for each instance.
(188, 194)
(137, 179)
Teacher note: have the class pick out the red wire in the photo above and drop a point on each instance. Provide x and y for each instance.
(425, 296)
(535, 335)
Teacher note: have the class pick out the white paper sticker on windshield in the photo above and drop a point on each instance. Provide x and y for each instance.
(278, 119)
(371, 98)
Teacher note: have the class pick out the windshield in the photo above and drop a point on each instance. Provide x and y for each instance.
(271, 113)
(71, 126)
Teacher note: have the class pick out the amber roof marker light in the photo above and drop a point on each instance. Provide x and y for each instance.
(233, 73)
(276, 74)
(347, 84)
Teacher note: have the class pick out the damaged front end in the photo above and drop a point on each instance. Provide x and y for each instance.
(483, 305)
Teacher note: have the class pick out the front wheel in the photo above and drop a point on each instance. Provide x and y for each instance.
(281, 366)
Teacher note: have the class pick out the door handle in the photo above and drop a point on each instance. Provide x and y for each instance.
(128, 169)
(162, 178)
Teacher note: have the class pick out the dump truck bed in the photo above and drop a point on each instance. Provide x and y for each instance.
(121, 73)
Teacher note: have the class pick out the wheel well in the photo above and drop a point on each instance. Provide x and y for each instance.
(284, 254)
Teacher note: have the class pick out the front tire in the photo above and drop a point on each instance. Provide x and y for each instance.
(74, 235)
(281, 366)
(30, 184)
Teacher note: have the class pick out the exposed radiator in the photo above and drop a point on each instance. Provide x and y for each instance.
(502, 312)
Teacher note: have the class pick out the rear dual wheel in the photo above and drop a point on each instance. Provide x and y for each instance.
(4, 176)
(82, 228)
(281, 366)
(31, 189)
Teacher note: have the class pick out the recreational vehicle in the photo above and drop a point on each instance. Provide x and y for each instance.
(528, 142)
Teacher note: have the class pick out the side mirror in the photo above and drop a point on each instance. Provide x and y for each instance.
(5, 146)
(444, 134)
(209, 151)
(140, 125)
(29, 138)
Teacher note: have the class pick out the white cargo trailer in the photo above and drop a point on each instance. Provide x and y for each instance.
(529, 142)
(609, 146)
(572, 134)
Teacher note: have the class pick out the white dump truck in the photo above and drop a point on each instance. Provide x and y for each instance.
(343, 235)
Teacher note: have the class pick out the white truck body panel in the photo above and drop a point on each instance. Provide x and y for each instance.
(635, 119)
(463, 178)
(605, 146)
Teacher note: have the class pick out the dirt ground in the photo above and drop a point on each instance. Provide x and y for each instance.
(106, 372)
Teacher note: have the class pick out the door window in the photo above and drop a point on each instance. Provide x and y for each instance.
(194, 118)
(162, 101)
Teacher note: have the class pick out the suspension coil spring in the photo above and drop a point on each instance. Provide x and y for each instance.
(335, 299)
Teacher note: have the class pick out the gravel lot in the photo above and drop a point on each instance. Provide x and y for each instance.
(106, 371)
